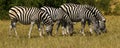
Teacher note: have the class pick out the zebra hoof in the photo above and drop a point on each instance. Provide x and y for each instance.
(83, 34)
(64, 33)
(71, 34)
(41, 35)
(99, 33)
(29, 37)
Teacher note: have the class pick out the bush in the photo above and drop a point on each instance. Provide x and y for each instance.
(5, 5)
(117, 10)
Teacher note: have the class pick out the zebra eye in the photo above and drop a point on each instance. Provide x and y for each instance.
(104, 21)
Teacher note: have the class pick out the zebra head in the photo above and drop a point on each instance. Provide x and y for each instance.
(101, 19)
(102, 25)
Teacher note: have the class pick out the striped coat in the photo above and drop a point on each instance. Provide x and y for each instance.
(29, 15)
(84, 13)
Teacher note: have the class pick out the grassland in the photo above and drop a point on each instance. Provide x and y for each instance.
(111, 39)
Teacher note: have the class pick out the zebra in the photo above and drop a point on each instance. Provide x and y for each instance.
(99, 17)
(29, 16)
(85, 13)
(57, 15)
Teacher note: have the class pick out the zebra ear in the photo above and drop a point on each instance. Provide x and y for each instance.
(103, 20)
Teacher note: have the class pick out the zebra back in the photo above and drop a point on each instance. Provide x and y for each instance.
(53, 12)
(96, 12)
(74, 9)
(45, 17)
(27, 14)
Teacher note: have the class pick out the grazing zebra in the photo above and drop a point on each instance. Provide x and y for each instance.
(85, 13)
(99, 17)
(57, 15)
(30, 15)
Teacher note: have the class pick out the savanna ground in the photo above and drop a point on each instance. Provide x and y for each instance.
(111, 39)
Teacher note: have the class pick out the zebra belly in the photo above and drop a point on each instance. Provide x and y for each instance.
(76, 20)
(25, 22)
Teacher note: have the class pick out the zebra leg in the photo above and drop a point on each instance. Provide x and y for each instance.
(90, 27)
(83, 26)
(39, 29)
(67, 29)
(13, 26)
(49, 29)
(63, 30)
(42, 28)
(31, 26)
(15, 32)
(57, 28)
(70, 30)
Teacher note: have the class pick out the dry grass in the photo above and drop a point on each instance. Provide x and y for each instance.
(106, 40)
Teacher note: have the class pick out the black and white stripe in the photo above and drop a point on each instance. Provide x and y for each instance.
(98, 16)
(29, 15)
(84, 13)
(53, 12)
(57, 14)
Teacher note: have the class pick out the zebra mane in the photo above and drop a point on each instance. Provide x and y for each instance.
(94, 12)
